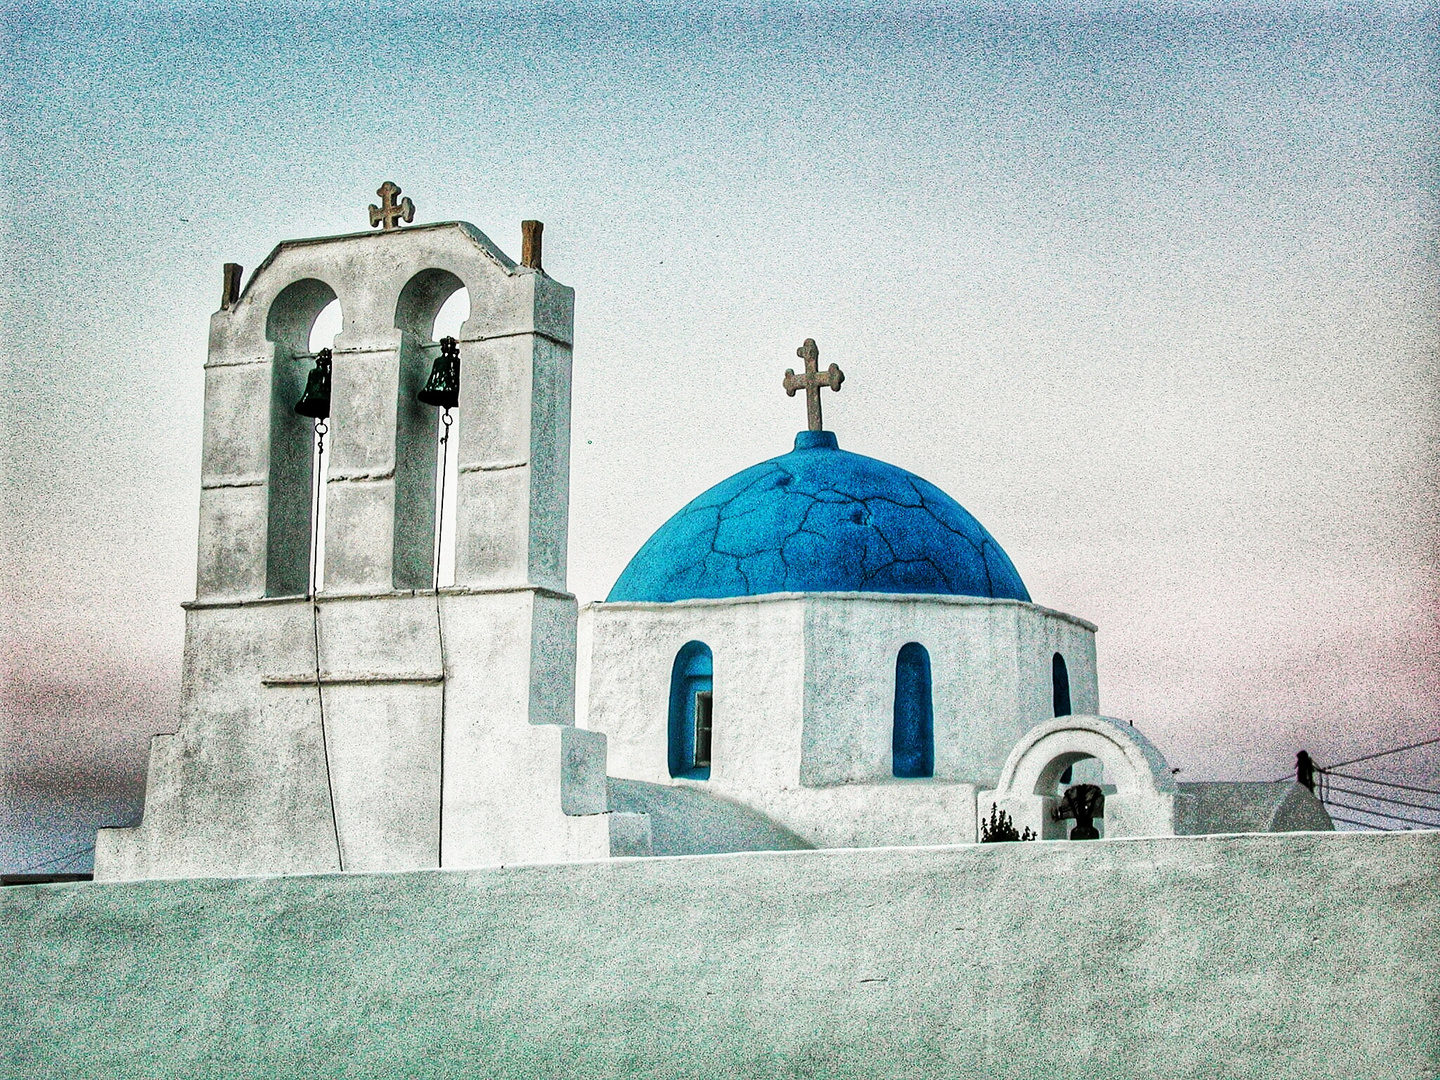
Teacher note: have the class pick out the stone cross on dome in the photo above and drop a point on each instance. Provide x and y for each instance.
(812, 381)
(389, 213)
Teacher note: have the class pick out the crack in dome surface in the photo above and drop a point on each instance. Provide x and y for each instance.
(819, 519)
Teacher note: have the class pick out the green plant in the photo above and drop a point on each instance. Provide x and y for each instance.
(1000, 828)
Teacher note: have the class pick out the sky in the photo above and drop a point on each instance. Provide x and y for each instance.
(1151, 291)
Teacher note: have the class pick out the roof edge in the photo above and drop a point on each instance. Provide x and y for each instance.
(879, 597)
(487, 247)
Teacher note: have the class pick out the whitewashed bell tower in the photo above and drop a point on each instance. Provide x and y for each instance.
(380, 723)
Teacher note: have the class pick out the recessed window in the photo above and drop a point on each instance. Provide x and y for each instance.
(1060, 685)
(913, 739)
(692, 720)
(703, 702)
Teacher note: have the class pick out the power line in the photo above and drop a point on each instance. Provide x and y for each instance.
(1382, 813)
(1365, 824)
(1383, 798)
(57, 859)
(1383, 753)
(1383, 783)
(1386, 814)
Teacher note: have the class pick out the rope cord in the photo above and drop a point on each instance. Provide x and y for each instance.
(446, 420)
(321, 429)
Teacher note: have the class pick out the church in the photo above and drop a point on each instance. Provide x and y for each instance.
(822, 651)
(733, 820)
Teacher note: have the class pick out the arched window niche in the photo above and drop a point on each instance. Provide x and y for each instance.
(691, 711)
(433, 304)
(913, 742)
(1060, 699)
(293, 314)
(1060, 685)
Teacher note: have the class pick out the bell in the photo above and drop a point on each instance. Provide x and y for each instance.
(442, 389)
(316, 400)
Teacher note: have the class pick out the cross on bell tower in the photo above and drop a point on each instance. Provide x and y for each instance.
(389, 213)
(812, 381)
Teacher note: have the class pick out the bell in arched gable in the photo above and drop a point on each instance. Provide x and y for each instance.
(442, 389)
(315, 402)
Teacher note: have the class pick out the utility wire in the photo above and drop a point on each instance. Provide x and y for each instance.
(1382, 813)
(1382, 783)
(1383, 798)
(1364, 824)
(1383, 753)
(57, 859)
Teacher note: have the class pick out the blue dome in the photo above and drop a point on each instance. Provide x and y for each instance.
(820, 519)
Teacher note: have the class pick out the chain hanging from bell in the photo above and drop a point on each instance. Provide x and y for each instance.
(442, 389)
(316, 400)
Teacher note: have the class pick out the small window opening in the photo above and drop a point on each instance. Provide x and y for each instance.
(913, 736)
(326, 327)
(691, 728)
(703, 701)
(1060, 685)
(452, 315)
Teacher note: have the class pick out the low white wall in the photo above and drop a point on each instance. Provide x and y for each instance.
(1284, 957)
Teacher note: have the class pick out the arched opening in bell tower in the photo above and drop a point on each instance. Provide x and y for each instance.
(322, 336)
(434, 305)
(293, 564)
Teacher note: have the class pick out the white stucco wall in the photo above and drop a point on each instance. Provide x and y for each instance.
(245, 786)
(804, 689)
(990, 667)
(381, 728)
(1308, 956)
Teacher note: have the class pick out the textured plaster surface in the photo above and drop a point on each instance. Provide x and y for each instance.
(1240, 806)
(247, 785)
(688, 820)
(1277, 957)
(379, 728)
(513, 418)
(804, 689)
(820, 519)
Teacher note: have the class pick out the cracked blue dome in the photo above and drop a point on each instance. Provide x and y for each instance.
(819, 519)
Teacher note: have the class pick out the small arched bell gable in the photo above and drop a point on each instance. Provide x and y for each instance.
(913, 740)
(691, 711)
(1144, 800)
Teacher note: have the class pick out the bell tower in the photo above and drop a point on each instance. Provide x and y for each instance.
(380, 723)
